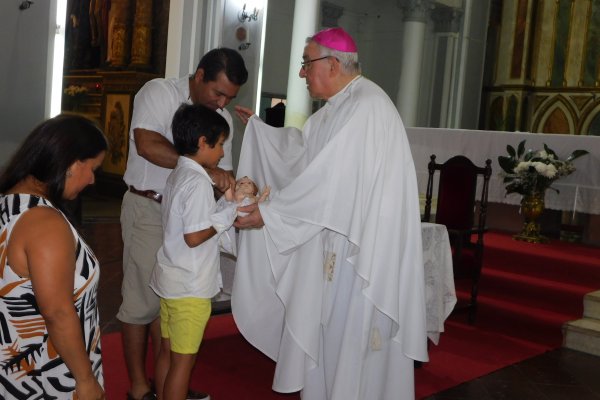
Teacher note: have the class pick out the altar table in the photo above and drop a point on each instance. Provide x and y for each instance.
(440, 295)
(579, 192)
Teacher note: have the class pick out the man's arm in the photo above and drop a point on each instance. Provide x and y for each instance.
(155, 148)
(223, 180)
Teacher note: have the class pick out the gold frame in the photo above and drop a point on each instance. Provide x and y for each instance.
(117, 115)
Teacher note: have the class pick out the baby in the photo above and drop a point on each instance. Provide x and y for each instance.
(245, 188)
(246, 192)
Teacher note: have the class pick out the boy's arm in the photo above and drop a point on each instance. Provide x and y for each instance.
(194, 239)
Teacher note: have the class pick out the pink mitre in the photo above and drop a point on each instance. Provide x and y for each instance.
(336, 39)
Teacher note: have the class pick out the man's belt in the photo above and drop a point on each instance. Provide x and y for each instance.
(151, 194)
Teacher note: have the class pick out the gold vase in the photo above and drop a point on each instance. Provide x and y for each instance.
(532, 206)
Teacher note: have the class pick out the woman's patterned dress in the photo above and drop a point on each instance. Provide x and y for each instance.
(30, 367)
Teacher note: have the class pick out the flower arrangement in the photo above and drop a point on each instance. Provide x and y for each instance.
(534, 171)
(74, 96)
(75, 90)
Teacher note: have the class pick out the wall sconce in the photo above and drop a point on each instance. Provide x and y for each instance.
(244, 16)
(25, 4)
(243, 36)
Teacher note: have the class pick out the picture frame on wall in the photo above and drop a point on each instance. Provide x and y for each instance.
(117, 115)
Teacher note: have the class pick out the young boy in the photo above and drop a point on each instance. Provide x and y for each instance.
(185, 276)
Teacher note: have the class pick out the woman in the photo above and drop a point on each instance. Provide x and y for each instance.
(49, 323)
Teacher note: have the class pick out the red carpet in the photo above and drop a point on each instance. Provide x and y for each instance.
(527, 292)
(466, 352)
(228, 367)
(530, 290)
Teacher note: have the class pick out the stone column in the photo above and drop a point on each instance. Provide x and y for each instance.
(298, 100)
(446, 71)
(141, 42)
(416, 13)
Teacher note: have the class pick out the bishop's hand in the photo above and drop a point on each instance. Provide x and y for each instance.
(250, 221)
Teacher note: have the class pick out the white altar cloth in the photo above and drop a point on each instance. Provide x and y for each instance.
(579, 192)
(440, 295)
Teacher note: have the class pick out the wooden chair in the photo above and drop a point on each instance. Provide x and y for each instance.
(464, 214)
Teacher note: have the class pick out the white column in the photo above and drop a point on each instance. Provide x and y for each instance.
(298, 106)
(416, 13)
(444, 92)
(455, 121)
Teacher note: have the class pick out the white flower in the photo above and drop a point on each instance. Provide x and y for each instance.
(523, 166)
(546, 170)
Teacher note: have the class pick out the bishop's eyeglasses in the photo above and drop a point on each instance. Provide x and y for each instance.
(305, 65)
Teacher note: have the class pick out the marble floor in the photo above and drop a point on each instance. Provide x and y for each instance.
(557, 375)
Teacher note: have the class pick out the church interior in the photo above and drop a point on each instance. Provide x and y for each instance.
(516, 69)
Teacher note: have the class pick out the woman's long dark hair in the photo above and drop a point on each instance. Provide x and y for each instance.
(49, 150)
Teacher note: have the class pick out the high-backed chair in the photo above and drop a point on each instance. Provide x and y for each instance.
(463, 212)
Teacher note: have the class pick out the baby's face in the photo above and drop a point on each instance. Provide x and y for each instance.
(245, 185)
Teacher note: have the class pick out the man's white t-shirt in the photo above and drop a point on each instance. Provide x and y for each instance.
(153, 109)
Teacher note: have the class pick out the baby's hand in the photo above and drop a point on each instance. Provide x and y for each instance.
(265, 193)
(229, 196)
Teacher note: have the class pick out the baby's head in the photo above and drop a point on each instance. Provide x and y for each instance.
(246, 186)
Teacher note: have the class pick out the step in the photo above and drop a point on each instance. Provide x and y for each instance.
(582, 335)
(543, 267)
(534, 291)
(519, 319)
(556, 261)
(591, 305)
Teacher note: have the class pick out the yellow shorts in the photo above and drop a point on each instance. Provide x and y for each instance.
(182, 321)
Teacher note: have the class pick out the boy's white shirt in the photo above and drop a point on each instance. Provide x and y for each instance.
(187, 206)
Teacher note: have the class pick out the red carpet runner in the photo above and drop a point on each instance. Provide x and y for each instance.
(527, 292)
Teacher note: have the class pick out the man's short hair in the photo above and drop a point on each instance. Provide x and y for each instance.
(224, 60)
(191, 122)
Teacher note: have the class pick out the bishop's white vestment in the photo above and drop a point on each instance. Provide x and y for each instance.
(332, 286)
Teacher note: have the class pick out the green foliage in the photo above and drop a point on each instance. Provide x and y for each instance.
(533, 171)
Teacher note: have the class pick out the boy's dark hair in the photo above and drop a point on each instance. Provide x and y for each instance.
(192, 121)
(224, 60)
(48, 152)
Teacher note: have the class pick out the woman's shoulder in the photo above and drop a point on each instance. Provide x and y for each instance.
(34, 212)
(45, 218)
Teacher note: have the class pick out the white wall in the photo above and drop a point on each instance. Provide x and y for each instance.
(378, 35)
(376, 26)
(24, 55)
(252, 57)
(277, 46)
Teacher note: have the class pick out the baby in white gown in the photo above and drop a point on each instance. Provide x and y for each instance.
(246, 192)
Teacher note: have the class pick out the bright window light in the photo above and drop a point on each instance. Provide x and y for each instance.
(58, 58)
(261, 57)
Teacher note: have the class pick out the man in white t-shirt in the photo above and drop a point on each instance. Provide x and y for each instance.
(217, 80)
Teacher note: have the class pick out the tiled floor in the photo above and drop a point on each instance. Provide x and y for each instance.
(561, 374)
(557, 375)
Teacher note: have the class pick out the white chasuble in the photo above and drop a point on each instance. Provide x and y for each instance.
(332, 286)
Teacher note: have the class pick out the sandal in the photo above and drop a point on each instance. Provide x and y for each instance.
(147, 396)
